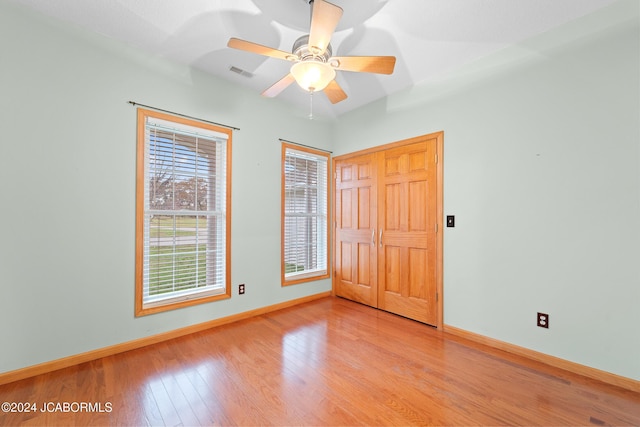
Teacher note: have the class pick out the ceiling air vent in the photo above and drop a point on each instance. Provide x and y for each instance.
(240, 71)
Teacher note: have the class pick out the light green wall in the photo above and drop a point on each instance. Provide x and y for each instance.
(542, 170)
(67, 180)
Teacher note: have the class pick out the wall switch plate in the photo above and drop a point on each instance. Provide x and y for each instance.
(451, 221)
(543, 320)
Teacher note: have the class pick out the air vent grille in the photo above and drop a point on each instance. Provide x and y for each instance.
(240, 71)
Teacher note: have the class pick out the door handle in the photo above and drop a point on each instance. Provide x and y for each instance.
(373, 236)
(380, 238)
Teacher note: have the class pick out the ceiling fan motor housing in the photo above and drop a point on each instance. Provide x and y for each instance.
(304, 52)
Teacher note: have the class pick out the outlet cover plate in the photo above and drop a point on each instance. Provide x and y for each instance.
(543, 320)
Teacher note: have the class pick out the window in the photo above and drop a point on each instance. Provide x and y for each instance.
(305, 183)
(182, 212)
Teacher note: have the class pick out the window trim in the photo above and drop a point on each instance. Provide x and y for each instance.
(192, 299)
(307, 276)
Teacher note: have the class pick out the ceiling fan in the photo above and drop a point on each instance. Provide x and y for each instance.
(314, 67)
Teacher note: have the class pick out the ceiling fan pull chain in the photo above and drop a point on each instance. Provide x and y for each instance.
(310, 105)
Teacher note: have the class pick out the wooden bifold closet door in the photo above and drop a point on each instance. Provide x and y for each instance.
(387, 251)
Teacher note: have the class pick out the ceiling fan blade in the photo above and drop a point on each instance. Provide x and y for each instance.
(364, 64)
(259, 49)
(324, 19)
(334, 92)
(279, 86)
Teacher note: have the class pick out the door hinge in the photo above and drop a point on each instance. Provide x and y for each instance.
(436, 157)
(437, 297)
(436, 227)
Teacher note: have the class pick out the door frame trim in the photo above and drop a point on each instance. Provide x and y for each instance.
(439, 136)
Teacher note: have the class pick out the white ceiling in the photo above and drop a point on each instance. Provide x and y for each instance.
(429, 37)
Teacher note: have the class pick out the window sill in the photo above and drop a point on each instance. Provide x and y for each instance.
(310, 276)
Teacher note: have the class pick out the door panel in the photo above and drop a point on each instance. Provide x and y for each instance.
(364, 208)
(345, 266)
(417, 213)
(355, 229)
(418, 276)
(392, 269)
(364, 264)
(407, 200)
(345, 208)
(393, 214)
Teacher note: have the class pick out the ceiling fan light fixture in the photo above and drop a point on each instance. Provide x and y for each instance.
(313, 76)
(315, 67)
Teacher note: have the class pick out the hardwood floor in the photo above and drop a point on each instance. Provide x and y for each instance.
(328, 362)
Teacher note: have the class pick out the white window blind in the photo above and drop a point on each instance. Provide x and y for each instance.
(305, 214)
(184, 212)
